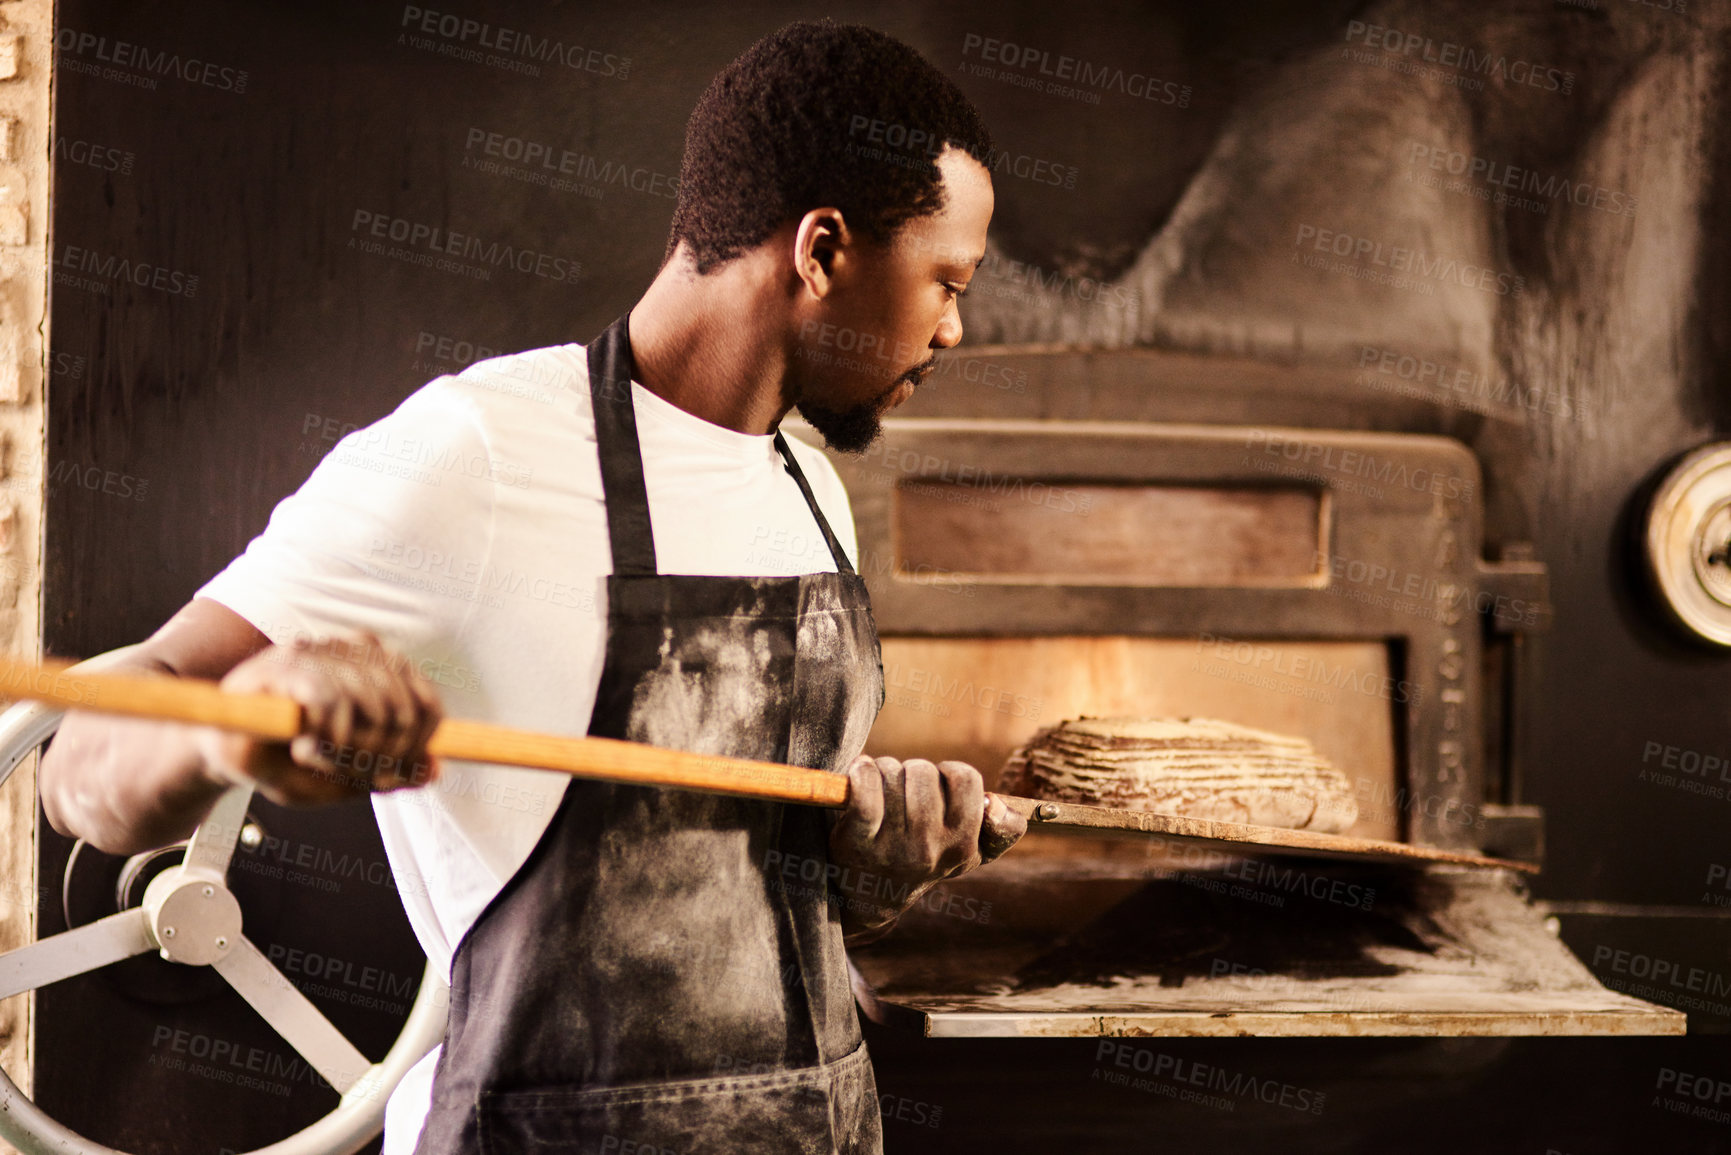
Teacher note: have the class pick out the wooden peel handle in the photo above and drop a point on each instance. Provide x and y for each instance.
(168, 699)
(611, 760)
(279, 719)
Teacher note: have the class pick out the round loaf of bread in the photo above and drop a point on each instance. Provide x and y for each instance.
(1190, 767)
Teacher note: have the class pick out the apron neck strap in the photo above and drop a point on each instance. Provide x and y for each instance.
(611, 369)
(842, 565)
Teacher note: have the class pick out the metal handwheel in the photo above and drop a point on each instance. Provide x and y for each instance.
(190, 917)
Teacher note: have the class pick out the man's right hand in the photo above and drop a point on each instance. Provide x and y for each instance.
(366, 718)
(131, 784)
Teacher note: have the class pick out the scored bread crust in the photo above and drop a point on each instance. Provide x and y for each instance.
(1190, 767)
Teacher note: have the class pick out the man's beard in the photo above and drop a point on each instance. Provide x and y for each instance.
(853, 430)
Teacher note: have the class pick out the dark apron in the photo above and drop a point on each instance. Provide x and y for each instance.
(665, 972)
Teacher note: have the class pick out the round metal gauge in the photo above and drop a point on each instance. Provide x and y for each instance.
(1689, 542)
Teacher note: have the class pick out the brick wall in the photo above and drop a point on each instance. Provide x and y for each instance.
(26, 146)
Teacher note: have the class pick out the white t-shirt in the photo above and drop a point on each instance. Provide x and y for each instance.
(467, 530)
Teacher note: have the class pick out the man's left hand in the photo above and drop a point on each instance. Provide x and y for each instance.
(914, 824)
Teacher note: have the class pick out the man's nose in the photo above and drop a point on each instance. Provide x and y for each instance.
(949, 333)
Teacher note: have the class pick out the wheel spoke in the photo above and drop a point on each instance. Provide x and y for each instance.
(73, 952)
(292, 1015)
(212, 844)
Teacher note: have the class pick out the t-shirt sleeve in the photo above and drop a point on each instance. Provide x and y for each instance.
(388, 532)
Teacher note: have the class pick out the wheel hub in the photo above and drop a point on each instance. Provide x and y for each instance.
(193, 917)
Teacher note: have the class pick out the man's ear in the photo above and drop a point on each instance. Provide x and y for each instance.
(820, 245)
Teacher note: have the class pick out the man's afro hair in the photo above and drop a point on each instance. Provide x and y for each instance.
(818, 114)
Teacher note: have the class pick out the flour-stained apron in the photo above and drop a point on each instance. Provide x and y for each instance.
(666, 969)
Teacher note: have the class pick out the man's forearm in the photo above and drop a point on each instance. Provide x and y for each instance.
(125, 784)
